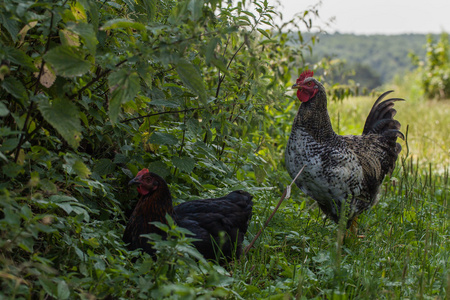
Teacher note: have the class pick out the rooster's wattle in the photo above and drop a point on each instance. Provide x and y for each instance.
(219, 225)
(340, 169)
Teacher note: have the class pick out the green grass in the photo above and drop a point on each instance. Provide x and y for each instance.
(406, 249)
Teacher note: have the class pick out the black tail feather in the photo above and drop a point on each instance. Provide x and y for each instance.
(381, 118)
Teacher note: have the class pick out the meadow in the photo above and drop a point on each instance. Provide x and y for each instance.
(403, 250)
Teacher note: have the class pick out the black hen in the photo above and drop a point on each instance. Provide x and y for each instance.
(219, 224)
(340, 168)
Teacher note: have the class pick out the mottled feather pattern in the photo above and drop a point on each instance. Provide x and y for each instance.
(342, 168)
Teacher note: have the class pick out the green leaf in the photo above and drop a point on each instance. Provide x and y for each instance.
(210, 49)
(48, 285)
(4, 111)
(159, 168)
(162, 138)
(104, 167)
(13, 86)
(191, 77)
(185, 164)
(11, 25)
(263, 32)
(9, 144)
(81, 169)
(63, 116)
(196, 9)
(67, 61)
(87, 33)
(18, 57)
(150, 8)
(12, 169)
(124, 87)
(166, 103)
(122, 23)
(63, 290)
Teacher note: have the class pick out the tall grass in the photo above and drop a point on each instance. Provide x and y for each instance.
(405, 252)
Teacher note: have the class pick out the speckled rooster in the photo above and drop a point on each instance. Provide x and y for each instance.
(341, 168)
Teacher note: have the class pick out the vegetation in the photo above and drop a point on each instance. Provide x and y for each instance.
(434, 70)
(369, 60)
(92, 91)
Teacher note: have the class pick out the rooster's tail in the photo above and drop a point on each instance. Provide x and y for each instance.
(381, 119)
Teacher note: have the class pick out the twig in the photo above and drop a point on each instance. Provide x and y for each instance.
(162, 113)
(22, 139)
(286, 195)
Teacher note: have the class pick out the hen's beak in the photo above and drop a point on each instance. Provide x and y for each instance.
(135, 181)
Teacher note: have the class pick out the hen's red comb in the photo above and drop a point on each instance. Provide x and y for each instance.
(142, 172)
(304, 75)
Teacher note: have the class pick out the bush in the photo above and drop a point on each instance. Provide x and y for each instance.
(92, 91)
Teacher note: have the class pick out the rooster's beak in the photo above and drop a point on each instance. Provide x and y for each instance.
(135, 180)
(295, 86)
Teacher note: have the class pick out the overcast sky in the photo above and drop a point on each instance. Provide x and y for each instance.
(378, 16)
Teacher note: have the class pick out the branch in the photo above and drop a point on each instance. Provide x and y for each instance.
(31, 106)
(94, 80)
(161, 113)
(286, 195)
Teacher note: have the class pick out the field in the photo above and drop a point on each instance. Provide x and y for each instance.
(405, 248)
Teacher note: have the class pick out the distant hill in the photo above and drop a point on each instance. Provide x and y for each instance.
(379, 56)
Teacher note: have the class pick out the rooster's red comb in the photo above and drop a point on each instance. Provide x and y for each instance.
(304, 75)
(142, 172)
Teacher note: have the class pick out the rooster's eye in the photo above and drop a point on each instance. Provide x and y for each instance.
(309, 83)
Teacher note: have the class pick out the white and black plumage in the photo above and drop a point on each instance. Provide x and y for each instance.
(340, 168)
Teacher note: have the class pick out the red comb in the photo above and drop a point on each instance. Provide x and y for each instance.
(304, 75)
(142, 172)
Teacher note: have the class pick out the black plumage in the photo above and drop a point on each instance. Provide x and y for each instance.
(219, 224)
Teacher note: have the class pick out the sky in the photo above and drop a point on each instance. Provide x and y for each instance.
(376, 16)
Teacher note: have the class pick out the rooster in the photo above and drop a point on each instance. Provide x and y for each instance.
(340, 169)
(219, 225)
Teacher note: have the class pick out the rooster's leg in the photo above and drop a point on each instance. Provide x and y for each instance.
(353, 229)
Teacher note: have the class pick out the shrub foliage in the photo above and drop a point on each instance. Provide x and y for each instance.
(92, 91)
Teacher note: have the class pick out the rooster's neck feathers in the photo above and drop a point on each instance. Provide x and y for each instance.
(313, 118)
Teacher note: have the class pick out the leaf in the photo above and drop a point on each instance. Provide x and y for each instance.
(185, 164)
(24, 30)
(13, 86)
(104, 167)
(9, 144)
(63, 290)
(124, 87)
(48, 76)
(162, 138)
(210, 49)
(150, 8)
(263, 32)
(11, 25)
(81, 169)
(159, 168)
(18, 57)
(63, 116)
(166, 103)
(87, 33)
(4, 111)
(78, 11)
(67, 61)
(191, 77)
(122, 23)
(196, 9)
